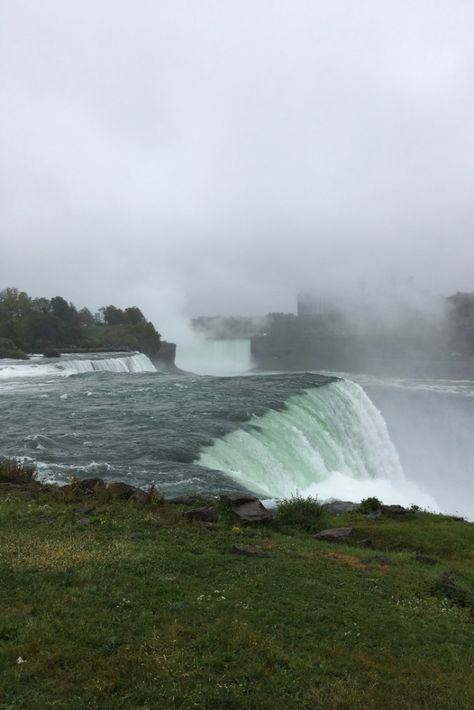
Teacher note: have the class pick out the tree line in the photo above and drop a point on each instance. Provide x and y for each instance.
(44, 324)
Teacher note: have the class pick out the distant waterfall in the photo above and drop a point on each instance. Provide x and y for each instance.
(133, 363)
(215, 357)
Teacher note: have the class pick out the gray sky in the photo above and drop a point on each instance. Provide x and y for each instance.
(216, 157)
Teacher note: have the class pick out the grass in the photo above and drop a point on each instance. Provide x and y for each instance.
(132, 606)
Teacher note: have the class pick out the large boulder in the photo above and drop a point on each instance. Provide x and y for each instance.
(248, 508)
(334, 534)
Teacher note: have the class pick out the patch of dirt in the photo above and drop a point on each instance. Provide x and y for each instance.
(349, 560)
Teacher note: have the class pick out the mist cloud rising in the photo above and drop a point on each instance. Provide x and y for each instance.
(209, 157)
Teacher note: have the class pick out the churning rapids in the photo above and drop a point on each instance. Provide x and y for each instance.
(114, 416)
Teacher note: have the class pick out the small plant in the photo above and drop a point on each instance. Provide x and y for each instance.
(370, 505)
(12, 471)
(155, 496)
(300, 512)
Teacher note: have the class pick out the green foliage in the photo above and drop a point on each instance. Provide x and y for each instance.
(136, 337)
(299, 512)
(9, 349)
(370, 505)
(86, 317)
(43, 324)
(12, 471)
(116, 316)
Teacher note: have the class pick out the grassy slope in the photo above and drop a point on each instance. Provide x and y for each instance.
(143, 609)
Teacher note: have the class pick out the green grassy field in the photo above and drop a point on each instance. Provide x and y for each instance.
(134, 606)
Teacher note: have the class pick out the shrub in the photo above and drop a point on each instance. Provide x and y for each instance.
(12, 471)
(300, 512)
(370, 505)
(8, 349)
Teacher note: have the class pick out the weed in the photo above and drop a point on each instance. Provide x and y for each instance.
(12, 471)
(300, 512)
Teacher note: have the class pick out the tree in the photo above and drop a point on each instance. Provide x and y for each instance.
(113, 315)
(134, 316)
(86, 317)
(39, 330)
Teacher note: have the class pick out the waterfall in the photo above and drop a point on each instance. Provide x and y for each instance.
(65, 367)
(215, 357)
(330, 441)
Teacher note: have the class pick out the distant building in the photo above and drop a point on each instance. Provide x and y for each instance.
(308, 304)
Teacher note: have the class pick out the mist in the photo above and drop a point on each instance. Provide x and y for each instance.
(219, 158)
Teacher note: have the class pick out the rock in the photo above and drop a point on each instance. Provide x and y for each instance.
(206, 515)
(123, 491)
(334, 534)
(238, 498)
(379, 559)
(83, 522)
(365, 542)
(248, 508)
(88, 486)
(140, 496)
(249, 551)
(426, 560)
(85, 510)
(184, 500)
(394, 510)
(340, 506)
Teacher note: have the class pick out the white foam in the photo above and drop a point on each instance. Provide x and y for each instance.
(133, 363)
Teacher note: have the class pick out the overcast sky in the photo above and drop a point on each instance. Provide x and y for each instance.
(217, 157)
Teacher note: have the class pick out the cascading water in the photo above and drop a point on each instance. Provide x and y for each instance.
(215, 357)
(330, 441)
(133, 363)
